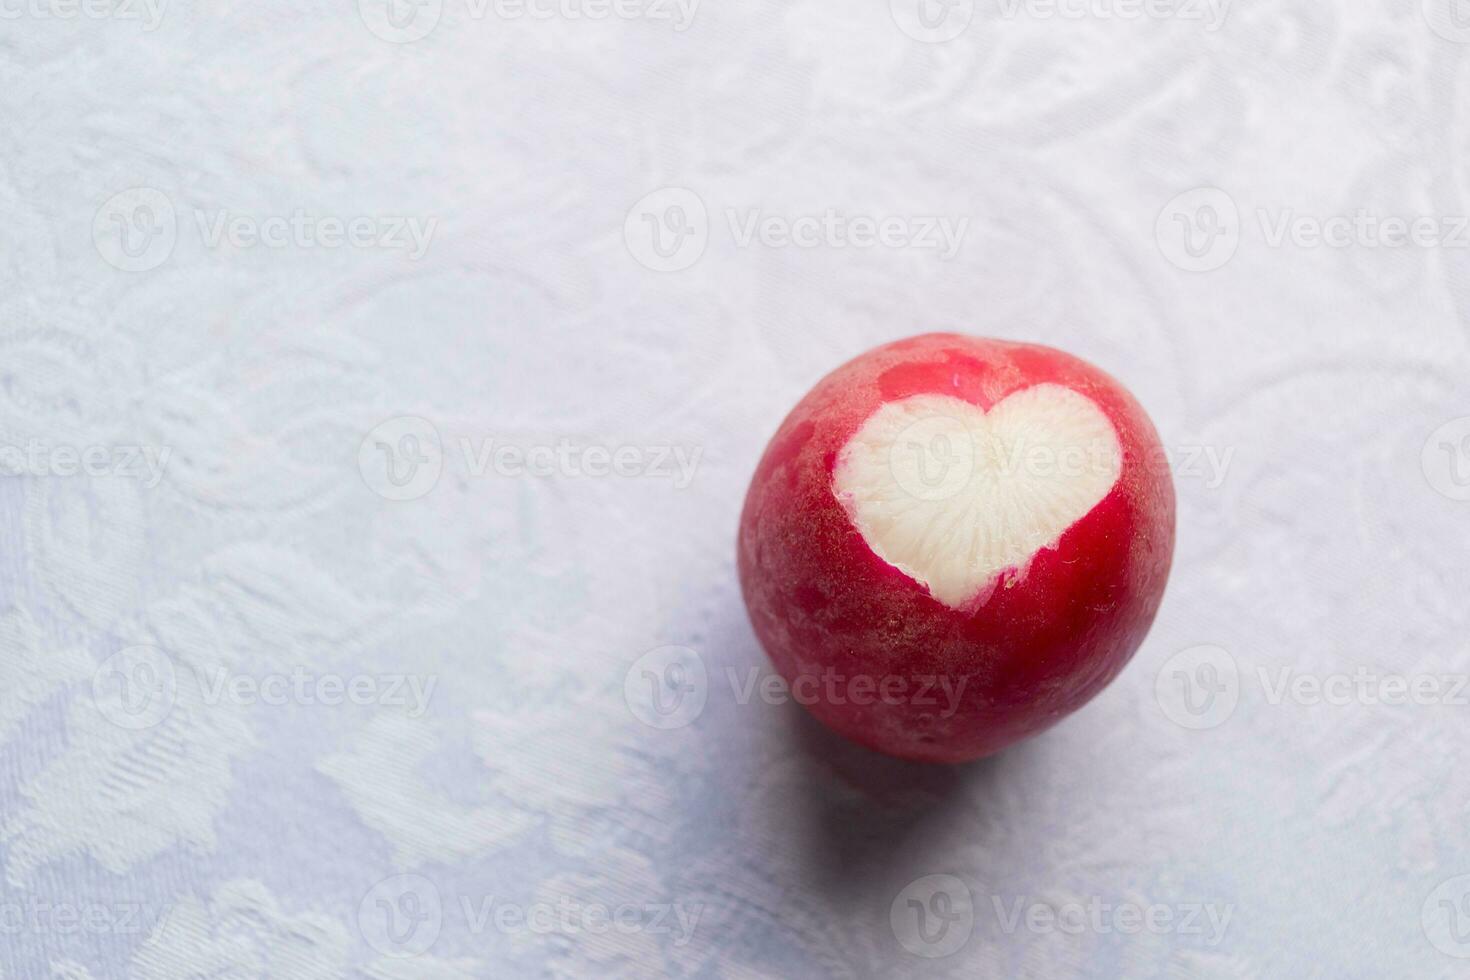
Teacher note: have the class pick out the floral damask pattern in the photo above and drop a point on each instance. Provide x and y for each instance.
(306, 670)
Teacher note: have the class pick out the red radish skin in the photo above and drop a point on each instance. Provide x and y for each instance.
(867, 647)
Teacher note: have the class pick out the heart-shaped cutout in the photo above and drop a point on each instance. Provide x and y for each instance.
(953, 495)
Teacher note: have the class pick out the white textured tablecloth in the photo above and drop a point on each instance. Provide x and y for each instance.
(379, 387)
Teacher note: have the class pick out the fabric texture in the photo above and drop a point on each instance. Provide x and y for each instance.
(379, 384)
